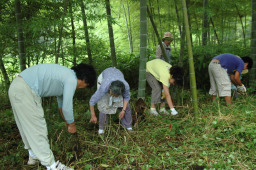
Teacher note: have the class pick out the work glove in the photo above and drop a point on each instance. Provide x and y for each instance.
(173, 111)
(241, 89)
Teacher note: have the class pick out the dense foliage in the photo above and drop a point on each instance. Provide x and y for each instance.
(218, 137)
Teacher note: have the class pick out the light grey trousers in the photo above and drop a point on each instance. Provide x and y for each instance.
(126, 121)
(156, 86)
(29, 117)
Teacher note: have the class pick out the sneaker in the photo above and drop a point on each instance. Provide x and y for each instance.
(130, 130)
(101, 131)
(60, 166)
(164, 111)
(174, 112)
(32, 161)
(154, 112)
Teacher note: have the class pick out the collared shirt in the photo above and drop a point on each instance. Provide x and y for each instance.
(108, 76)
(53, 80)
(230, 62)
(160, 70)
(167, 49)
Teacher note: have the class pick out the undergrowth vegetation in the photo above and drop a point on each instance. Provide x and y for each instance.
(217, 137)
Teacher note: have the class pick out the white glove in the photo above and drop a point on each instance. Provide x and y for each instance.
(173, 111)
(241, 89)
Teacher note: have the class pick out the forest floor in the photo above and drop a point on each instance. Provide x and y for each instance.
(216, 137)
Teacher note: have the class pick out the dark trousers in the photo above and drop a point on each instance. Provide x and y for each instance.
(126, 121)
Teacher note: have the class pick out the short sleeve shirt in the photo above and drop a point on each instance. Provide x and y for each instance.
(160, 70)
(230, 62)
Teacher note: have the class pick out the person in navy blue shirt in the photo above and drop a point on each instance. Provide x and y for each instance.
(223, 66)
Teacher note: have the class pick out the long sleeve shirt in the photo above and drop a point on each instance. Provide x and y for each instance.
(160, 55)
(108, 76)
(53, 80)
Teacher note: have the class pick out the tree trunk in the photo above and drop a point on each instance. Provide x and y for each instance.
(60, 32)
(159, 18)
(5, 75)
(128, 33)
(190, 60)
(215, 32)
(151, 9)
(169, 14)
(241, 20)
(73, 32)
(189, 21)
(86, 33)
(55, 32)
(253, 47)
(205, 24)
(143, 49)
(157, 35)
(182, 46)
(21, 46)
(130, 26)
(111, 34)
(177, 15)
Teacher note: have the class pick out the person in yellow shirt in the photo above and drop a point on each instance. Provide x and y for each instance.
(160, 75)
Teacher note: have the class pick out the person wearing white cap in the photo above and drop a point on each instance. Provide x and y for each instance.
(219, 79)
(167, 39)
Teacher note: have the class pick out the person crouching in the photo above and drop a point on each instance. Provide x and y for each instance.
(113, 94)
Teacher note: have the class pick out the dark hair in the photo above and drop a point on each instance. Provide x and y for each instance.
(117, 87)
(248, 60)
(177, 74)
(85, 72)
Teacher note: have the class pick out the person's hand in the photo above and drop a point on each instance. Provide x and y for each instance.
(93, 119)
(72, 128)
(241, 89)
(173, 111)
(121, 114)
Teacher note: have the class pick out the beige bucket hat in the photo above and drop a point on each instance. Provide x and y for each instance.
(167, 36)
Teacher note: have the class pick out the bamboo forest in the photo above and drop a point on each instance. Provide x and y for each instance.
(128, 84)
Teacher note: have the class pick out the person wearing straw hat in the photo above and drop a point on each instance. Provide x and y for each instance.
(219, 79)
(167, 39)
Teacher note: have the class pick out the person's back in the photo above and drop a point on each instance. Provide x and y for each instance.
(49, 79)
(230, 62)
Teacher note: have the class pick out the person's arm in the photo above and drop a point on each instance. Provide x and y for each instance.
(71, 126)
(235, 78)
(67, 105)
(122, 113)
(61, 113)
(93, 116)
(168, 96)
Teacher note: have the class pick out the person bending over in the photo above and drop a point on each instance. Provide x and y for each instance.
(113, 94)
(220, 67)
(25, 94)
(160, 75)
